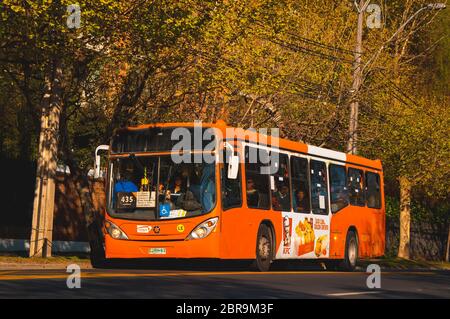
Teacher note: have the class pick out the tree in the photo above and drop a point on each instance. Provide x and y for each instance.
(412, 130)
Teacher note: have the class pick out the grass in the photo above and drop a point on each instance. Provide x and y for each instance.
(407, 264)
(21, 258)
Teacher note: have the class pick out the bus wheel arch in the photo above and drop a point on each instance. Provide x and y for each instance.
(353, 229)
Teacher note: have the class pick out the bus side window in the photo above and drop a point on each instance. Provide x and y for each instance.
(373, 191)
(257, 184)
(281, 195)
(300, 185)
(338, 188)
(356, 187)
(231, 188)
(319, 191)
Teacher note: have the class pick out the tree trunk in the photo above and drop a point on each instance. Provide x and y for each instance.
(405, 217)
(447, 251)
(44, 196)
(81, 180)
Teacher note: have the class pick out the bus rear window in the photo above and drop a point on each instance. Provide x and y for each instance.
(373, 192)
(338, 188)
(356, 187)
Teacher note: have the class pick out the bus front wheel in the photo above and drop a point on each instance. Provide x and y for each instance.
(351, 252)
(264, 249)
(97, 254)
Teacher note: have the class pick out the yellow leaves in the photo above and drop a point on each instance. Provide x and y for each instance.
(17, 9)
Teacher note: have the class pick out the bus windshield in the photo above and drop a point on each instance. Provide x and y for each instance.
(154, 187)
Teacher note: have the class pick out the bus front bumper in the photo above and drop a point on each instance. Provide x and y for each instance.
(208, 247)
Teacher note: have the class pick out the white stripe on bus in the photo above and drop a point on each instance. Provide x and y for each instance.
(314, 150)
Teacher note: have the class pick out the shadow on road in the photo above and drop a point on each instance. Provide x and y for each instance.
(208, 265)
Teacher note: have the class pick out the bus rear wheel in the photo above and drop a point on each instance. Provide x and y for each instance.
(351, 252)
(264, 249)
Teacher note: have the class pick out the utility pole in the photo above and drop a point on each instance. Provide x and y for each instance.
(357, 79)
(44, 196)
(358, 69)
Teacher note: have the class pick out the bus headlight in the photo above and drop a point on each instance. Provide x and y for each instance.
(114, 231)
(204, 229)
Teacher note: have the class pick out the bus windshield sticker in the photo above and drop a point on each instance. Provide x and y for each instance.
(164, 210)
(175, 213)
(145, 199)
(126, 200)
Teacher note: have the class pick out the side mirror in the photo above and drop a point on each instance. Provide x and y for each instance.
(97, 160)
(233, 167)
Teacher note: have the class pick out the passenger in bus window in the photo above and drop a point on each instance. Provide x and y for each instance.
(175, 189)
(301, 201)
(178, 186)
(281, 200)
(252, 194)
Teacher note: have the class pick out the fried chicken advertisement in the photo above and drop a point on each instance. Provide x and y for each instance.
(305, 237)
(321, 246)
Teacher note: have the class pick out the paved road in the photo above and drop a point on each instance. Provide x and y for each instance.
(200, 282)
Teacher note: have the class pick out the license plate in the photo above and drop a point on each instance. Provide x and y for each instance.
(157, 251)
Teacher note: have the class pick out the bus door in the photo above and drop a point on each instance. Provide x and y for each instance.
(235, 219)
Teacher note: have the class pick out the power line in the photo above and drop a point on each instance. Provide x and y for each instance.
(322, 45)
(297, 48)
(315, 42)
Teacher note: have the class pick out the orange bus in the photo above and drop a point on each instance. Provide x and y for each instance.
(227, 193)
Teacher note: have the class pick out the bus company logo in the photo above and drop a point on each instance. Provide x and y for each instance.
(143, 229)
(156, 229)
(287, 235)
(206, 141)
(180, 228)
